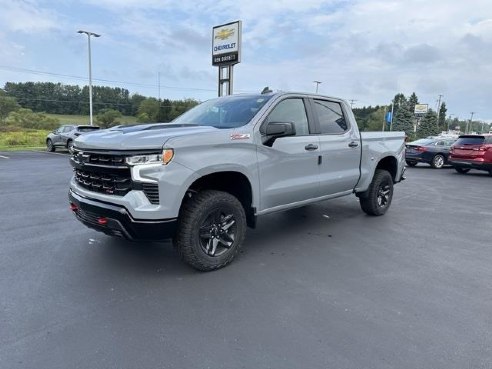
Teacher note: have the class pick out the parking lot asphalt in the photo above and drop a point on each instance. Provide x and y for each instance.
(324, 286)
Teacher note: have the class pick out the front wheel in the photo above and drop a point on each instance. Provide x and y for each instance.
(49, 145)
(437, 161)
(461, 170)
(377, 199)
(211, 230)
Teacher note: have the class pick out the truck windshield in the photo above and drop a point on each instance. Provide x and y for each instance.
(224, 112)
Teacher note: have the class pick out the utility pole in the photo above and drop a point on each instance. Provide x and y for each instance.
(159, 85)
(352, 102)
(468, 128)
(317, 84)
(89, 34)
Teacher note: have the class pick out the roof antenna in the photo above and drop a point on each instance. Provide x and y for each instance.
(266, 90)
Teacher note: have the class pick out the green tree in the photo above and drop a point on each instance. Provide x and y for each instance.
(376, 120)
(143, 118)
(7, 105)
(150, 106)
(442, 117)
(399, 101)
(412, 101)
(403, 120)
(428, 125)
(108, 117)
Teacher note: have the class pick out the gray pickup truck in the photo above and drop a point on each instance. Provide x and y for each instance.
(206, 176)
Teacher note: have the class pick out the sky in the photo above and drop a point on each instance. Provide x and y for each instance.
(365, 50)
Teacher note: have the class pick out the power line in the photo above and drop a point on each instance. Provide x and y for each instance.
(145, 85)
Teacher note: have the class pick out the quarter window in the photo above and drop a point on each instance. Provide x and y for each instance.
(291, 110)
(330, 117)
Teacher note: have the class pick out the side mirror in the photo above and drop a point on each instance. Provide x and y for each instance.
(273, 130)
(279, 129)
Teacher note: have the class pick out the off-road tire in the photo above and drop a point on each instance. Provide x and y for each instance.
(438, 161)
(377, 199)
(411, 163)
(49, 145)
(461, 170)
(192, 218)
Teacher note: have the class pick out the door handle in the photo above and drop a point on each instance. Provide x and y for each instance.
(353, 144)
(311, 147)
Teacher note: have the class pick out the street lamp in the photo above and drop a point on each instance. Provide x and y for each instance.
(89, 34)
(317, 84)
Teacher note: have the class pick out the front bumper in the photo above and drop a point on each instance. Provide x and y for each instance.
(115, 220)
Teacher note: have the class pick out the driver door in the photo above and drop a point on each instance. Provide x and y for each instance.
(288, 166)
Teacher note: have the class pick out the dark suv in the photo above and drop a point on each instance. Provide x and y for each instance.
(472, 152)
(64, 136)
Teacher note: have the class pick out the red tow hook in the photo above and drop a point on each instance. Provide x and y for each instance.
(73, 207)
(102, 221)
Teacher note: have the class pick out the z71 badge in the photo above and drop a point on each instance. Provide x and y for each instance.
(240, 136)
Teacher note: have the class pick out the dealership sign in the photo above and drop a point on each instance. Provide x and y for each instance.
(421, 109)
(226, 44)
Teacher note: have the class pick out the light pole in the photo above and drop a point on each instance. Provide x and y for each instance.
(317, 84)
(89, 34)
(471, 123)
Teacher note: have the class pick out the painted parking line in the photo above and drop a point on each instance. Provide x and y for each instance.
(54, 153)
(4, 157)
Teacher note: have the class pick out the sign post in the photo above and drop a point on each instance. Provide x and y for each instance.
(226, 51)
(419, 111)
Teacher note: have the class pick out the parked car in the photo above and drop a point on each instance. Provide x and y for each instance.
(64, 136)
(433, 151)
(472, 152)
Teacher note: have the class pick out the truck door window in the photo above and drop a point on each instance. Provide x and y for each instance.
(330, 116)
(291, 110)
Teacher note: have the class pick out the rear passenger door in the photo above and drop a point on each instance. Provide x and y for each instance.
(340, 147)
(288, 167)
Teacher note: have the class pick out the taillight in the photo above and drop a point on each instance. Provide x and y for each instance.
(481, 148)
(421, 148)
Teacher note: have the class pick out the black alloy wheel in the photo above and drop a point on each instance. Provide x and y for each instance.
(49, 145)
(218, 232)
(377, 199)
(211, 229)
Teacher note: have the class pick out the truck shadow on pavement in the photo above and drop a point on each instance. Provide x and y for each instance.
(274, 232)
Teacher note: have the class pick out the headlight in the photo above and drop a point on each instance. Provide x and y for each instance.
(164, 158)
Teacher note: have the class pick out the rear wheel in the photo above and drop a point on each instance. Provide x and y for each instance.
(411, 163)
(461, 170)
(377, 199)
(211, 230)
(437, 161)
(49, 145)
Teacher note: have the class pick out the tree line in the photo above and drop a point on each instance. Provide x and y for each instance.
(404, 119)
(19, 101)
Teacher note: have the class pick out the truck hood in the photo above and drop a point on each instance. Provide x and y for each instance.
(138, 137)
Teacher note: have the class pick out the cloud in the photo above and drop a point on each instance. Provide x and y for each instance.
(27, 16)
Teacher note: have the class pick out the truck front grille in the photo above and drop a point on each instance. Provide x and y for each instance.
(110, 184)
(107, 172)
